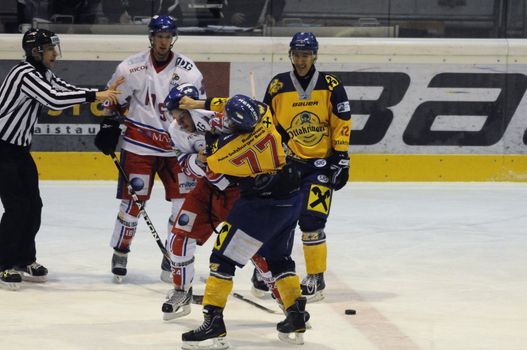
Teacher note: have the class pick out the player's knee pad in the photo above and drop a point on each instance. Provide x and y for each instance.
(182, 251)
(125, 226)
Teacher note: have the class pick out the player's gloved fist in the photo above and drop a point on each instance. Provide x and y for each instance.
(339, 165)
(108, 136)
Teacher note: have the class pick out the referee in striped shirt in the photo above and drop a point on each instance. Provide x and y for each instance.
(28, 87)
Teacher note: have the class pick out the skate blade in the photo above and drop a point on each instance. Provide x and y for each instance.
(314, 297)
(209, 344)
(296, 338)
(118, 279)
(182, 311)
(166, 276)
(34, 279)
(260, 294)
(10, 285)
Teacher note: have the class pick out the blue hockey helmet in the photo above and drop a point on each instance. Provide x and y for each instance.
(162, 24)
(178, 92)
(242, 113)
(304, 41)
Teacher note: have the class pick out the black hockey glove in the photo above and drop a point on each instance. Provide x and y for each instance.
(339, 166)
(108, 136)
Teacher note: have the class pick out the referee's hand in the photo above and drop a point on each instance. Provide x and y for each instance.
(111, 93)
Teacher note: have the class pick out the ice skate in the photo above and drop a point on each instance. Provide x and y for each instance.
(313, 287)
(33, 273)
(166, 271)
(119, 261)
(292, 328)
(210, 335)
(177, 304)
(10, 279)
(259, 288)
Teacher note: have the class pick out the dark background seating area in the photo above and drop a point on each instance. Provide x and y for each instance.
(402, 18)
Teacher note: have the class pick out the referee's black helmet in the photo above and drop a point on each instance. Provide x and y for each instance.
(37, 38)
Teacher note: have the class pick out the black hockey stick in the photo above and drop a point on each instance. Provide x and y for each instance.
(253, 303)
(141, 206)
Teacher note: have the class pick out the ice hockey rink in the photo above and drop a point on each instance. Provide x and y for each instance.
(425, 265)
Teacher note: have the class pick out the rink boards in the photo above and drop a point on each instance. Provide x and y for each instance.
(423, 109)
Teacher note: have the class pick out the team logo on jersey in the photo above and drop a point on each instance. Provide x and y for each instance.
(275, 86)
(320, 163)
(306, 129)
(319, 198)
(186, 183)
(266, 120)
(331, 81)
(224, 231)
(343, 107)
(323, 179)
(174, 80)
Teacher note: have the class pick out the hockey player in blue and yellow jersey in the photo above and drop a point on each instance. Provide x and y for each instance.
(249, 149)
(312, 113)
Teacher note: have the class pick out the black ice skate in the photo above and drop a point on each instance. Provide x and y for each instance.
(119, 261)
(166, 270)
(259, 288)
(177, 304)
(212, 330)
(313, 287)
(292, 328)
(10, 279)
(33, 272)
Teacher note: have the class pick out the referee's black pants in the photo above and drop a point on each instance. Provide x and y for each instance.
(22, 204)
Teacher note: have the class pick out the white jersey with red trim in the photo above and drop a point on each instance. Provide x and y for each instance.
(188, 144)
(144, 91)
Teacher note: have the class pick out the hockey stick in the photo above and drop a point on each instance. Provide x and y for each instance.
(253, 303)
(253, 85)
(141, 206)
(198, 299)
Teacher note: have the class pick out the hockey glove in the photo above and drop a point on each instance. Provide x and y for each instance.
(339, 165)
(108, 136)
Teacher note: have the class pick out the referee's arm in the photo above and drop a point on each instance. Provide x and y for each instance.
(38, 88)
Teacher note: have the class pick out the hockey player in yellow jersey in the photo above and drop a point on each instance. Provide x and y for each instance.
(248, 149)
(312, 113)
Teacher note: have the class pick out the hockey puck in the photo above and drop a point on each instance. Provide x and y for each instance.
(350, 312)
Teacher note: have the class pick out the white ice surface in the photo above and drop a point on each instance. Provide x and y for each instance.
(426, 266)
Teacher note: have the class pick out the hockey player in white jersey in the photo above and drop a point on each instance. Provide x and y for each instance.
(204, 208)
(146, 148)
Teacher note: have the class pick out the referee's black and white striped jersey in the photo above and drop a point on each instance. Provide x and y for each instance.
(22, 95)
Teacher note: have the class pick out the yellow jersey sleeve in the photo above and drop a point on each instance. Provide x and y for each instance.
(249, 154)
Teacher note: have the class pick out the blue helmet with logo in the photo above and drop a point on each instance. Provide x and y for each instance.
(304, 41)
(242, 113)
(162, 24)
(178, 92)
